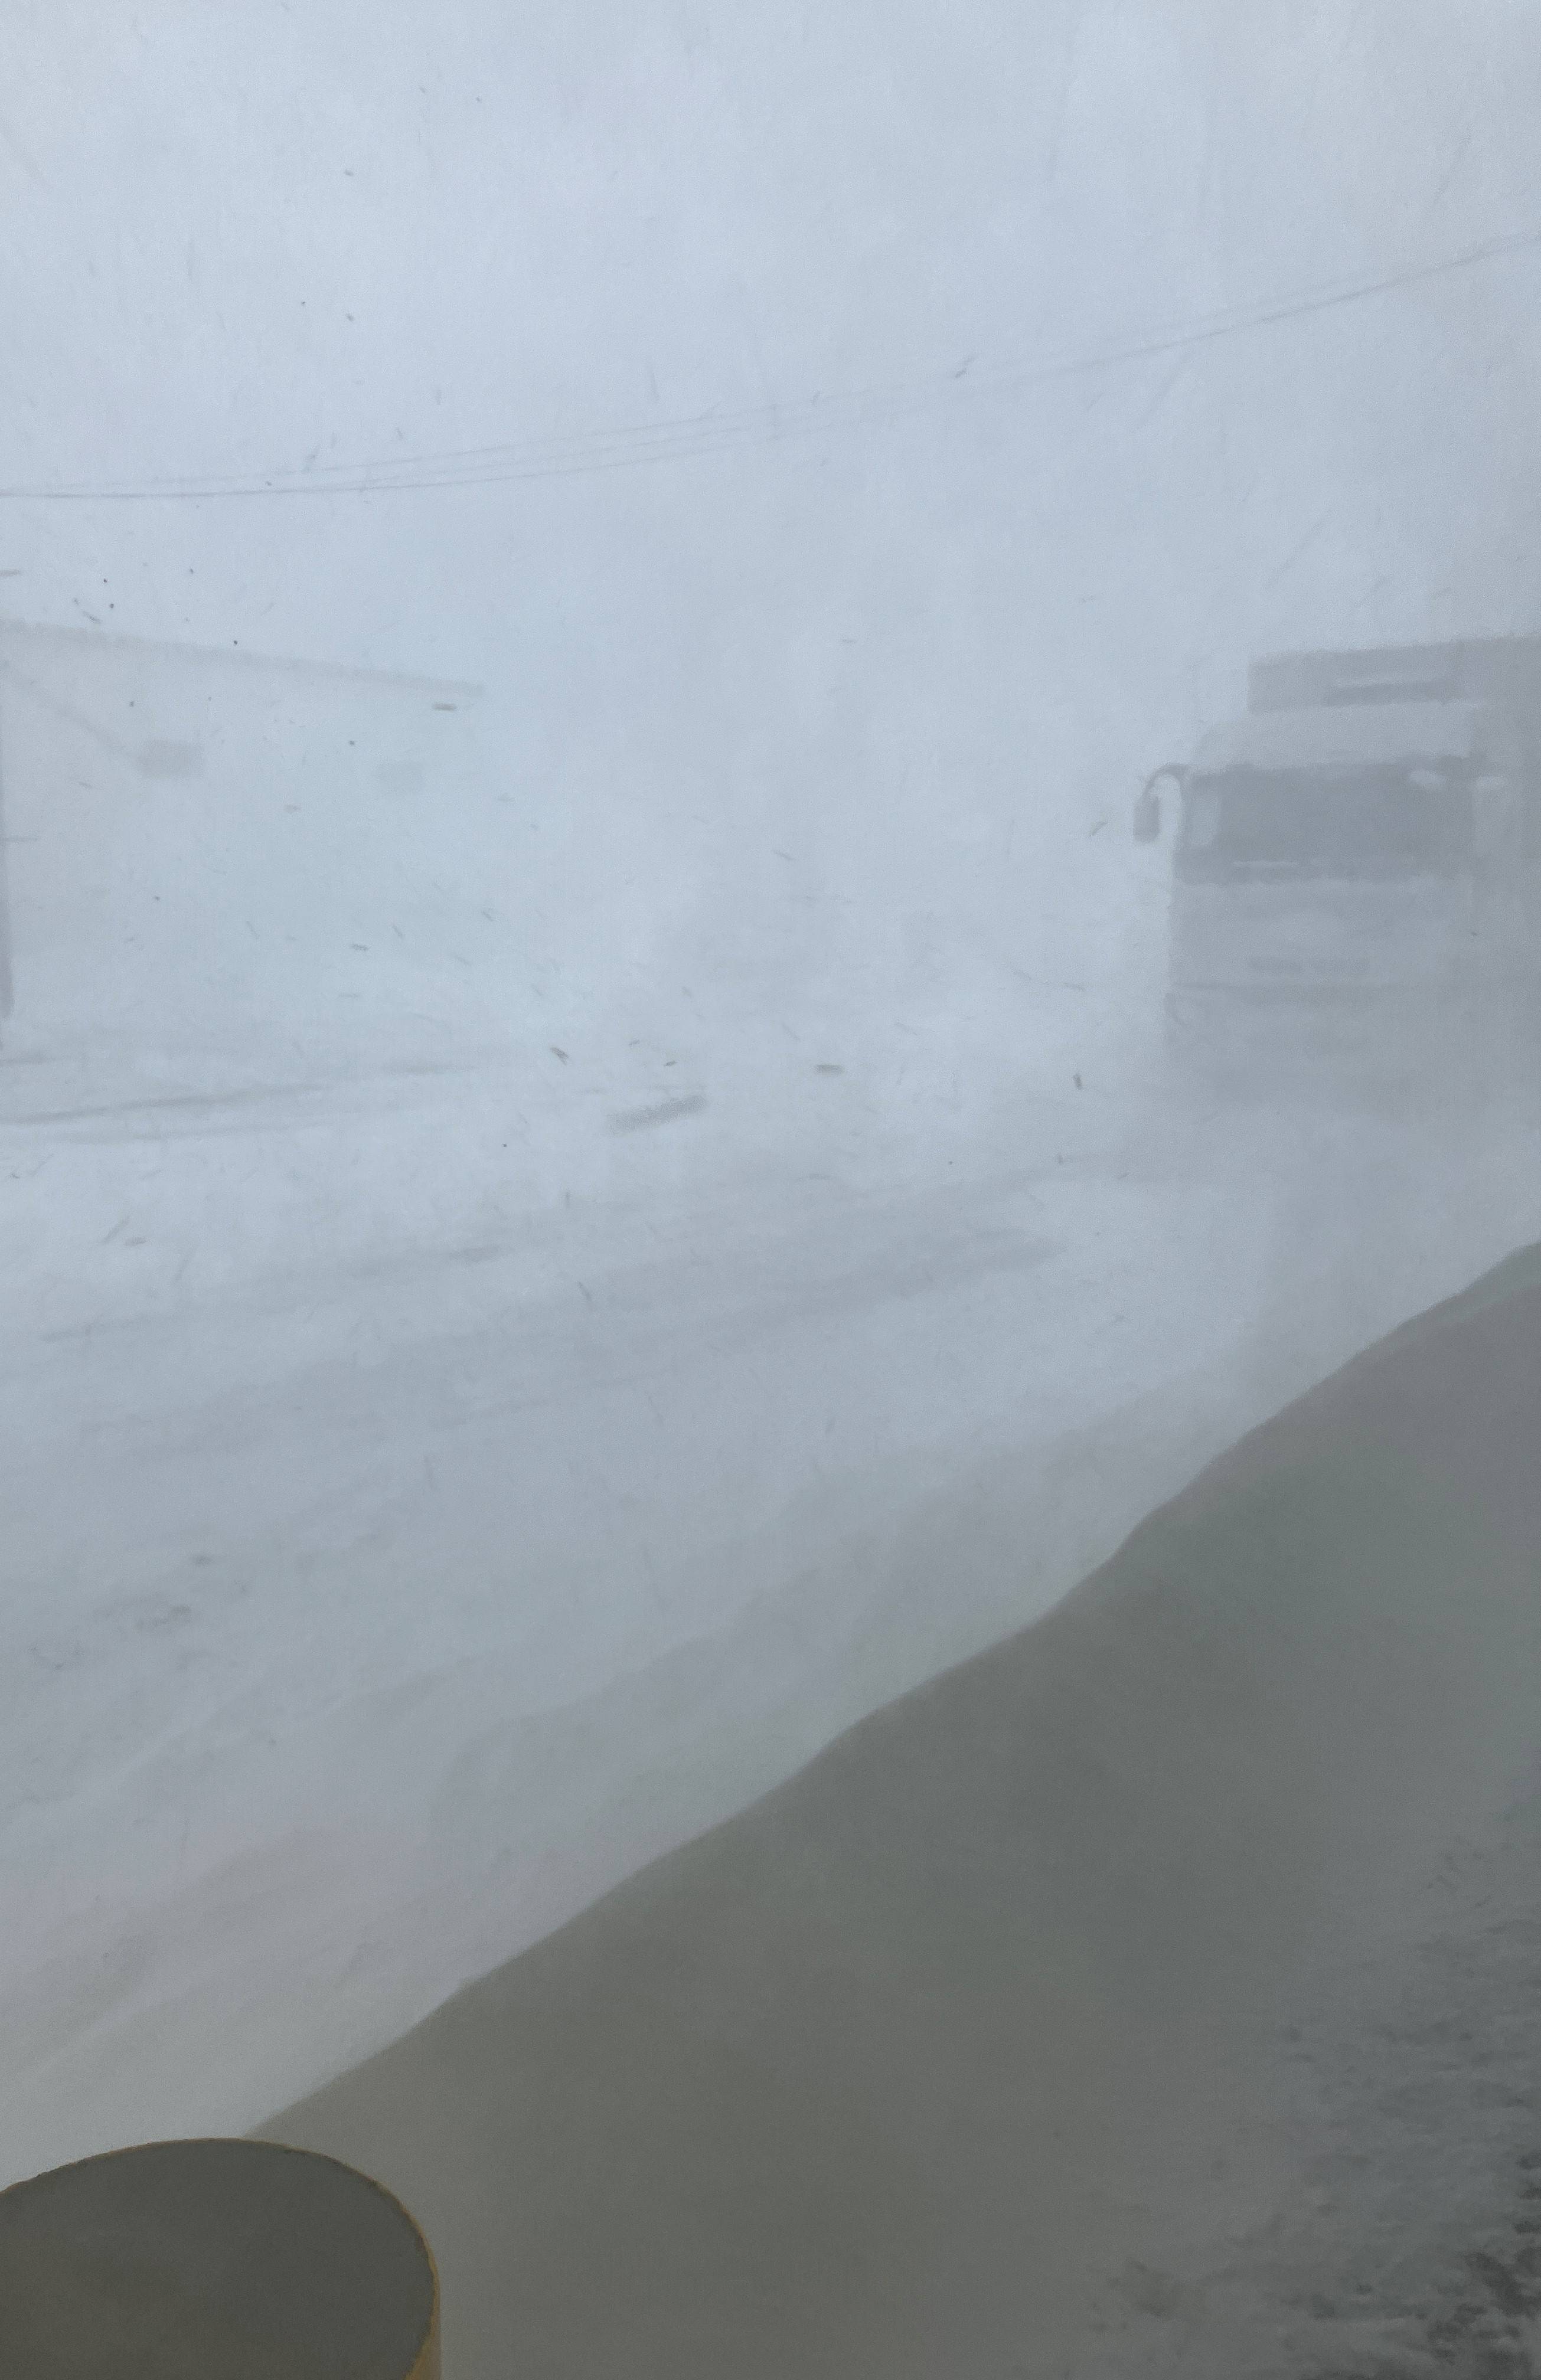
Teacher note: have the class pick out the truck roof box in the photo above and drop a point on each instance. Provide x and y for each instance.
(1491, 669)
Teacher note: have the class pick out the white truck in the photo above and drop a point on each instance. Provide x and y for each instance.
(1356, 867)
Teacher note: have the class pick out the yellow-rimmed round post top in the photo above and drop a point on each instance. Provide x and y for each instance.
(212, 2260)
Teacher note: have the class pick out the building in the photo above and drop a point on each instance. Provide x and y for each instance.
(221, 849)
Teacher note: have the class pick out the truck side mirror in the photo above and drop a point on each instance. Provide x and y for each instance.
(1147, 810)
(1147, 816)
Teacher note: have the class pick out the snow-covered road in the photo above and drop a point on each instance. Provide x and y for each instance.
(359, 1627)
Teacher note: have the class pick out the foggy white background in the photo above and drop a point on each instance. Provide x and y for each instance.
(845, 451)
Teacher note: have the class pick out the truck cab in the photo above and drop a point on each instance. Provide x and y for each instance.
(1353, 860)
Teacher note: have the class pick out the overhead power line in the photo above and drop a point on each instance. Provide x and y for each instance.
(633, 445)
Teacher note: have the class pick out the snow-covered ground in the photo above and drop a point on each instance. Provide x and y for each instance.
(138, 1181)
(379, 1590)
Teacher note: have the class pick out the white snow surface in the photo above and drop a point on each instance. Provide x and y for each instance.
(378, 1595)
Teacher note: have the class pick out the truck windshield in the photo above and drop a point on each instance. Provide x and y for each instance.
(1323, 822)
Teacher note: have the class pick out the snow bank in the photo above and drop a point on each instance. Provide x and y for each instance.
(912, 2066)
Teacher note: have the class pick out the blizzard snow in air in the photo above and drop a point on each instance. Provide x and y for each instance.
(594, 1177)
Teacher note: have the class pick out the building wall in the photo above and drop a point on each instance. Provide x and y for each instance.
(201, 849)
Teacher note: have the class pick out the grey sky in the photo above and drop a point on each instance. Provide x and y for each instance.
(243, 240)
